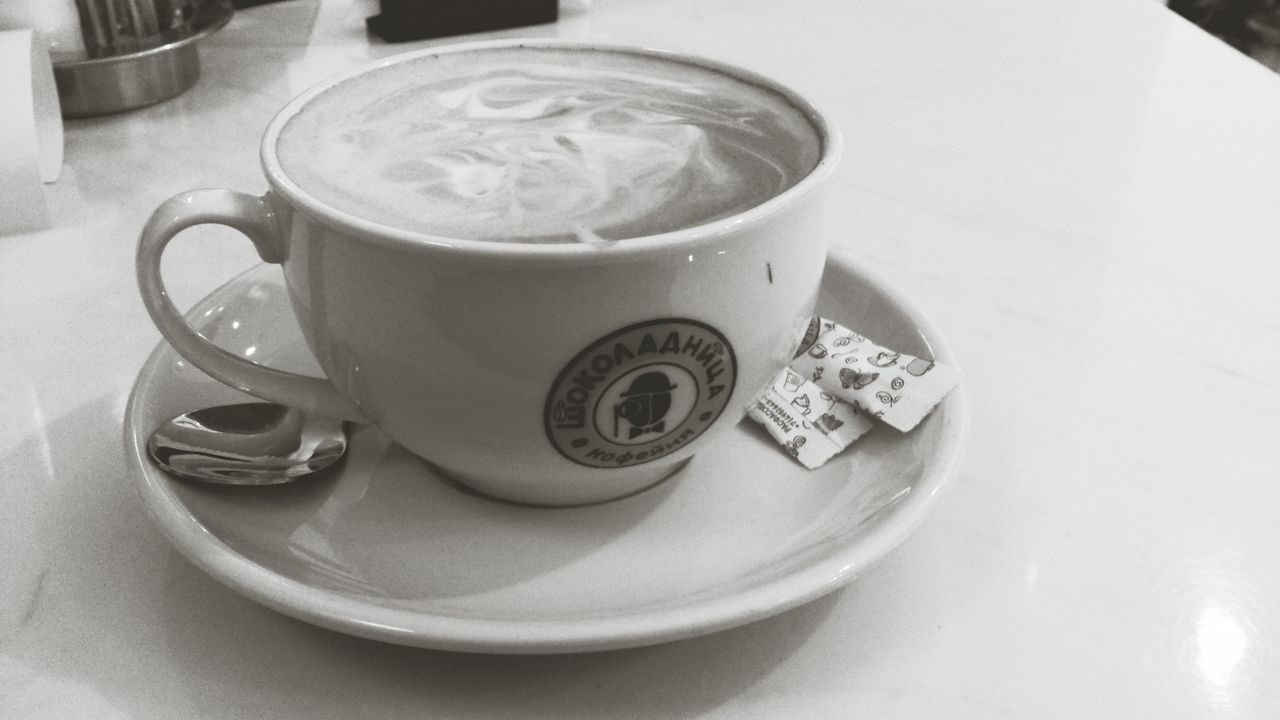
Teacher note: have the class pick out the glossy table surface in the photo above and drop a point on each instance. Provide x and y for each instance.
(1082, 196)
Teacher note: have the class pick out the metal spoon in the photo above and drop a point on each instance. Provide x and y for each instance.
(256, 443)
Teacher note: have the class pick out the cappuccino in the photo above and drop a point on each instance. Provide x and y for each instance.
(544, 144)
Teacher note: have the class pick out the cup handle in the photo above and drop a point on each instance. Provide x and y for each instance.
(252, 216)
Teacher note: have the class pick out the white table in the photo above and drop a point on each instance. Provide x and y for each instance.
(1085, 196)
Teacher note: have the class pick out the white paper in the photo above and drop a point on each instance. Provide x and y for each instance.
(30, 131)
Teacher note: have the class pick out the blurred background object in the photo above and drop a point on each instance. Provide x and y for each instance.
(408, 20)
(117, 27)
(53, 20)
(1250, 26)
(135, 53)
(31, 145)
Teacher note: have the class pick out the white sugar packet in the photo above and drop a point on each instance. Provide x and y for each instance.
(809, 423)
(848, 377)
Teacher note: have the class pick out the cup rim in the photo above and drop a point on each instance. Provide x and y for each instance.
(364, 229)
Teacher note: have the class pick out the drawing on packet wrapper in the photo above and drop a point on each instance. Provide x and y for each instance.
(874, 378)
(810, 424)
(868, 381)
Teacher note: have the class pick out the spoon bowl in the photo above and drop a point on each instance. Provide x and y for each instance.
(257, 443)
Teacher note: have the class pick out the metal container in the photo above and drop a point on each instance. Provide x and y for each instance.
(89, 86)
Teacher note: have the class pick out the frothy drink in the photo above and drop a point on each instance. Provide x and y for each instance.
(529, 144)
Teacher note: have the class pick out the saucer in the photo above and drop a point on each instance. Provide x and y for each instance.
(384, 547)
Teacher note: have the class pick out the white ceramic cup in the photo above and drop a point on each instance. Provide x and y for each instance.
(554, 374)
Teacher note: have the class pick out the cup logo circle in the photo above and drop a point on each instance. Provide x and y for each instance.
(640, 393)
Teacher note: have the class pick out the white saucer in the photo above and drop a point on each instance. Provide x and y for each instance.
(384, 548)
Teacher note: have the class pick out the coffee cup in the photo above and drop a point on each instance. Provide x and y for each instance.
(554, 270)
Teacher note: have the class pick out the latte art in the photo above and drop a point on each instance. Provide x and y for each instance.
(546, 145)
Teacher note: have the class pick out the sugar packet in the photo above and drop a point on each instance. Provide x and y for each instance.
(809, 423)
(838, 379)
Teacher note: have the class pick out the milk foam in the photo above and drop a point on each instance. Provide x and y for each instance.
(546, 145)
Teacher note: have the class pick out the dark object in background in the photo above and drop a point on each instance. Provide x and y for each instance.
(1234, 21)
(1250, 26)
(405, 20)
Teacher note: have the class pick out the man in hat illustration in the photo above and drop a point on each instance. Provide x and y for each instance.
(644, 405)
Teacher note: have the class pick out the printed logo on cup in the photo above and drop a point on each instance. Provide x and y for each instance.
(640, 393)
